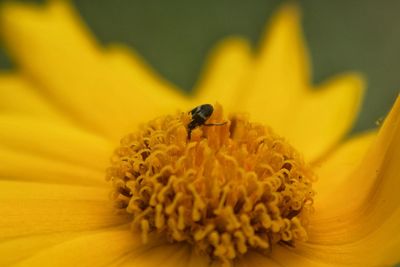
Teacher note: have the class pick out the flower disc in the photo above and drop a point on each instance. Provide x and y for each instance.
(225, 190)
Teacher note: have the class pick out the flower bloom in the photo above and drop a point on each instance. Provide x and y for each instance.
(64, 111)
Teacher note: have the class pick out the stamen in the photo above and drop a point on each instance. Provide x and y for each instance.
(228, 189)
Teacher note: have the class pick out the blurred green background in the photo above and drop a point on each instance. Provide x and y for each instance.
(174, 37)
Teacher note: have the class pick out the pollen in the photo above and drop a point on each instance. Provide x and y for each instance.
(225, 190)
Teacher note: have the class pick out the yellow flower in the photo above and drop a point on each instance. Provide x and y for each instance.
(64, 110)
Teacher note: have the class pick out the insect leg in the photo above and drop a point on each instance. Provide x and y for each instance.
(215, 124)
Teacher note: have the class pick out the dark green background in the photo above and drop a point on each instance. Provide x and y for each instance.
(175, 36)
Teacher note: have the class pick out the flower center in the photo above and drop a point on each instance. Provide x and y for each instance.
(227, 189)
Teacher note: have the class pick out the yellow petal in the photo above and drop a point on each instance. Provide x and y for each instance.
(148, 89)
(359, 222)
(281, 72)
(279, 94)
(361, 229)
(224, 77)
(256, 259)
(333, 170)
(102, 248)
(21, 166)
(293, 258)
(129, 68)
(18, 95)
(84, 85)
(377, 169)
(197, 260)
(53, 140)
(324, 116)
(35, 208)
(376, 249)
(17, 249)
(169, 255)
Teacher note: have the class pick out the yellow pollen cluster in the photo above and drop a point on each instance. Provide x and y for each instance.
(228, 189)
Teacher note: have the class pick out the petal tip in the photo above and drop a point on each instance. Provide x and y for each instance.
(289, 11)
(358, 82)
(233, 41)
(287, 16)
(229, 45)
(351, 83)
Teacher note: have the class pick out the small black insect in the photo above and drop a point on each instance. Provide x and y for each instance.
(200, 115)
